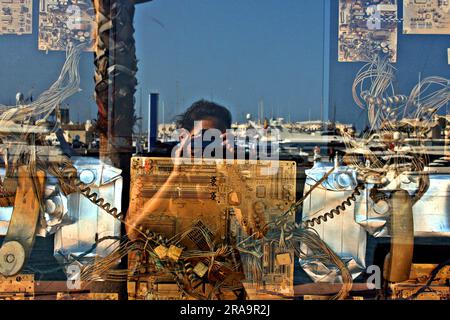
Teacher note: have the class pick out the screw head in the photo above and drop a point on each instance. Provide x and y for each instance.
(9, 258)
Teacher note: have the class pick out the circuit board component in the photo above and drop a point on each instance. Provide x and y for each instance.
(211, 203)
(426, 17)
(16, 17)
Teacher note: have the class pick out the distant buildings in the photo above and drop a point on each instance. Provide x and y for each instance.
(83, 133)
(79, 135)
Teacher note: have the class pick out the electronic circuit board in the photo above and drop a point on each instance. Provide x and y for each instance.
(16, 17)
(65, 21)
(421, 287)
(204, 191)
(367, 29)
(426, 17)
(229, 202)
(18, 287)
(87, 296)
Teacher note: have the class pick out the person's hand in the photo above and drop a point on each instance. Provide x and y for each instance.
(228, 142)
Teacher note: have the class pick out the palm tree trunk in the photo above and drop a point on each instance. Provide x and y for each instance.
(115, 86)
(115, 78)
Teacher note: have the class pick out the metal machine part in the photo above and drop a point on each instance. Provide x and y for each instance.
(256, 192)
(88, 222)
(391, 212)
(431, 216)
(13, 257)
(18, 287)
(344, 236)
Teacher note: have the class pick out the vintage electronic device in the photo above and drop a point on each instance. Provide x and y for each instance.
(76, 221)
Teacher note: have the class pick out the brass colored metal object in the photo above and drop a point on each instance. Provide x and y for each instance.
(161, 251)
(430, 289)
(398, 262)
(19, 240)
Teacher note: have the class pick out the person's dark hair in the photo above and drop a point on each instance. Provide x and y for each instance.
(203, 110)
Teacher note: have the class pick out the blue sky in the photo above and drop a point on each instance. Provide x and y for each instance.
(236, 52)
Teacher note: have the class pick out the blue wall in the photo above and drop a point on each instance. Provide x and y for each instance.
(426, 54)
(25, 68)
